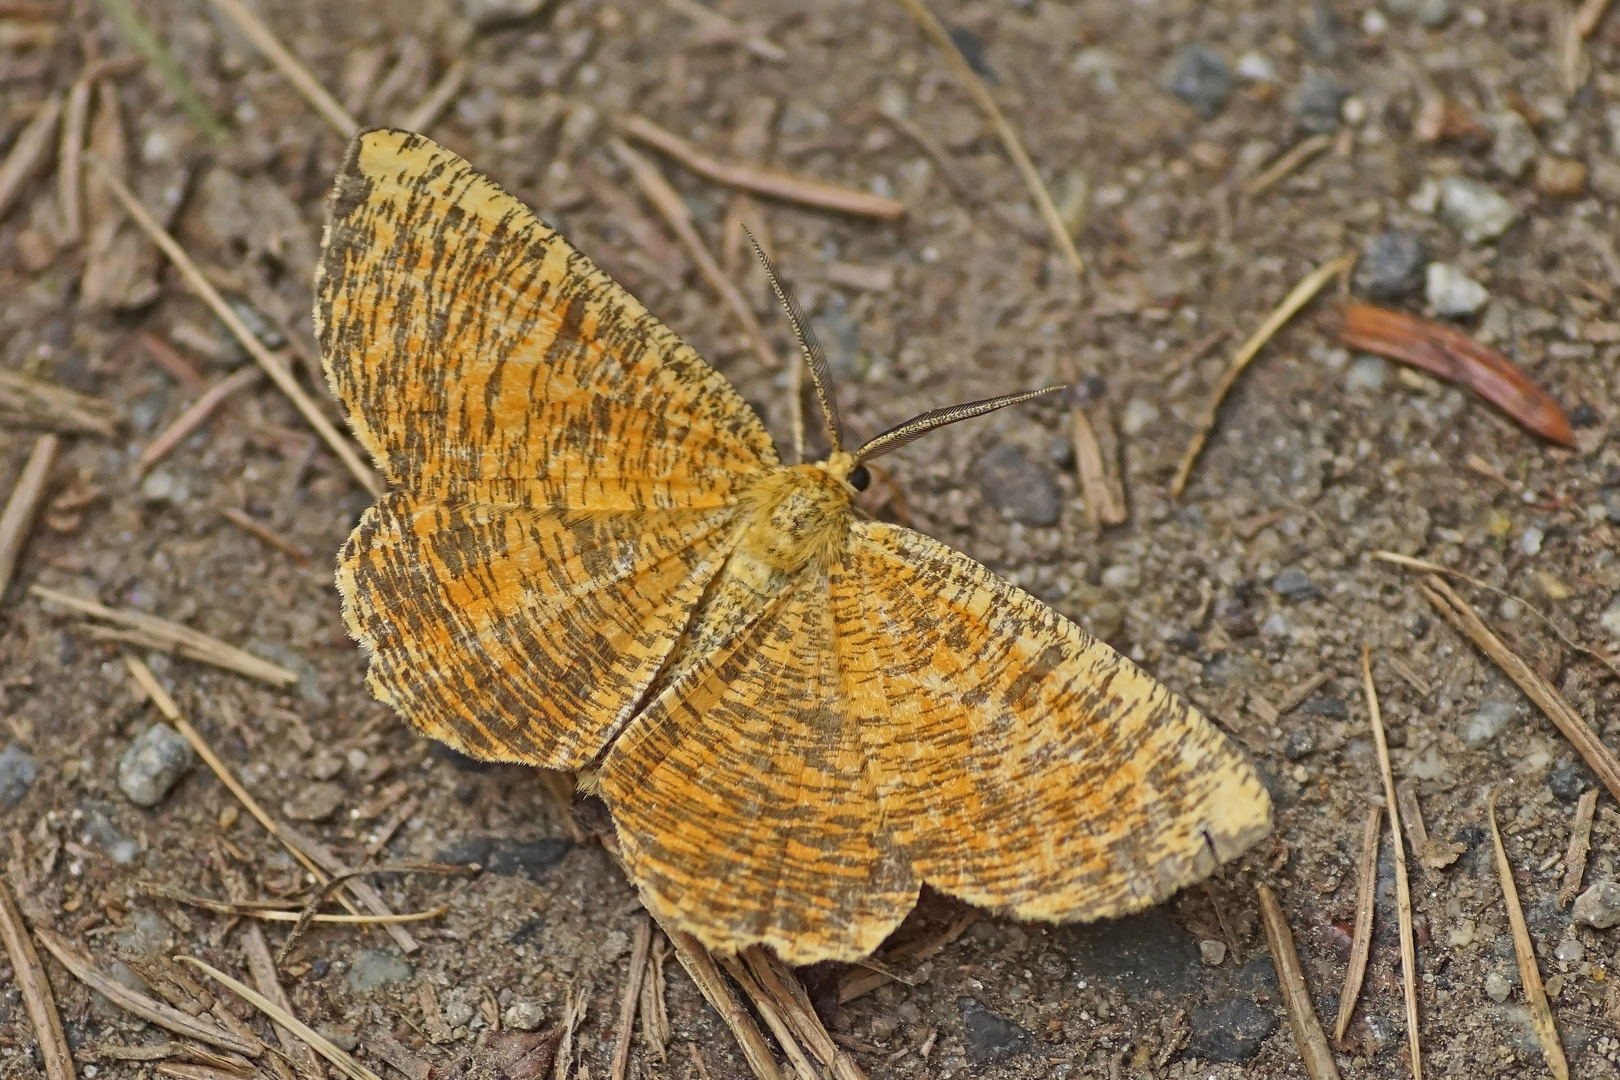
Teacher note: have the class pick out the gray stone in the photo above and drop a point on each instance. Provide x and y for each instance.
(1143, 954)
(1300, 744)
(523, 1015)
(343, 1038)
(1019, 488)
(1324, 30)
(153, 764)
(1610, 497)
(376, 967)
(1332, 708)
(1433, 13)
(1199, 76)
(1515, 146)
(1530, 540)
(1598, 907)
(1391, 265)
(1497, 988)
(1452, 292)
(1568, 778)
(1212, 952)
(507, 856)
(1570, 951)
(495, 14)
(1490, 720)
(1316, 102)
(317, 802)
(1294, 584)
(99, 828)
(18, 771)
(162, 486)
(1229, 1031)
(990, 1038)
(1475, 209)
(1365, 375)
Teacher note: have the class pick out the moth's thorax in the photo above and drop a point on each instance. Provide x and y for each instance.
(798, 514)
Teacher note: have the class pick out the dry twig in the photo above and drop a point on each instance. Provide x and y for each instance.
(1361, 943)
(1297, 696)
(270, 911)
(36, 990)
(1286, 164)
(713, 26)
(1098, 469)
(26, 402)
(770, 1011)
(1313, 1047)
(17, 520)
(1403, 889)
(263, 969)
(859, 982)
(263, 39)
(1580, 842)
(193, 417)
(29, 153)
(70, 161)
(701, 967)
(756, 178)
(632, 995)
(430, 108)
(1535, 997)
(199, 284)
(249, 524)
(1296, 299)
(655, 1029)
(788, 995)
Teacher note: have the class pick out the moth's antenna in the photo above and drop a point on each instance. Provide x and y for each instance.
(814, 357)
(918, 426)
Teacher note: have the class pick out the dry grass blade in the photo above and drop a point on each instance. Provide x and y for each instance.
(701, 967)
(30, 978)
(26, 402)
(17, 520)
(1452, 355)
(1313, 1047)
(438, 99)
(669, 203)
(185, 1071)
(771, 1012)
(193, 644)
(263, 969)
(306, 84)
(935, 32)
(155, 1012)
(632, 995)
(1361, 943)
(788, 994)
(151, 48)
(29, 152)
(760, 180)
(193, 417)
(362, 891)
(249, 524)
(1286, 164)
(716, 27)
(1457, 611)
(282, 914)
(1580, 842)
(282, 1018)
(199, 284)
(1529, 977)
(1104, 494)
(1301, 295)
(1403, 888)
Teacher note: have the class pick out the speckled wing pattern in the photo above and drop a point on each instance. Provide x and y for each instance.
(927, 722)
(565, 469)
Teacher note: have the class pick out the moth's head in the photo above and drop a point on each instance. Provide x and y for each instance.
(842, 465)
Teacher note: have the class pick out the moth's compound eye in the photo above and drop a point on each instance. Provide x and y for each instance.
(860, 478)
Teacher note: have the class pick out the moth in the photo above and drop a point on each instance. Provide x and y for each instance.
(591, 558)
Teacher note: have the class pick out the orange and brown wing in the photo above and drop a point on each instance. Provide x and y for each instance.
(470, 342)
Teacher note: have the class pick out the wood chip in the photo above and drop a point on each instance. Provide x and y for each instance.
(1535, 997)
(1313, 1047)
(1432, 853)
(192, 644)
(17, 520)
(789, 997)
(1361, 942)
(70, 162)
(265, 40)
(169, 359)
(1580, 842)
(1301, 693)
(1096, 457)
(27, 402)
(632, 996)
(1403, 889)
(1412, 678)
(29, 153)
(29, 976)
(1297, 298)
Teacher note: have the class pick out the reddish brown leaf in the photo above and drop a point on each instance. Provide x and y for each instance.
(1454, 356)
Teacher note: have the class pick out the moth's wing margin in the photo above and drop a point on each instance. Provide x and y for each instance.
(521, 633)
(469, 341)
(1027, 768)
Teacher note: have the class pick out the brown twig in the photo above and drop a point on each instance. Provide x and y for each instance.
(1361, 943)
(199, 284)
(770, 1011)
(1104, 494)
(1296, 697)
(1403, 889)
(438, 99)
(29, 153)
(249, 524)
(386, 831)
(70, 161)
(632, 996)
(678, 216)
(193, 417)
(189, 643)
(716, 27)
(1287, 163)
(170, 360)
(1301, 295)
(1589, 15)
(579, 998)
(36, 990)
(1313, 1047)
(17, 520)
(270, 911)
(26, 402)
(1580, 842)
(1535, 997)
(263, 969)
(701, 967)
(655, 1029)
(788, 995)
(263, 39)
(763, 181)
(1461, 615)
(935, 32)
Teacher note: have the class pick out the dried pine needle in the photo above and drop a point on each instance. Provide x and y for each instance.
(1535, 997)
(263, 39)
(40, 1003)
(1313, 1047)
(17, 520)
(1361, 944)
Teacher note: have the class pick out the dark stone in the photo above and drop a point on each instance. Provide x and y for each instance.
(502, 855)
(1089, 388)
(1316, 102)
(971, 46)
(268, 333)
(1199, 76)
(1568, 778)
(1140, 953)
(319, 968)
(1583, 415)
(488, 15)
(440, 752)
(1229, 1031)
(1019, 488)
(1294, 584)
(1330, 707)
(1185, 641)
(990, 1038)
(1324, 31)
(526, 931)
(1301, 743)
(1391, 265)
(18, 771)
(1610, 497)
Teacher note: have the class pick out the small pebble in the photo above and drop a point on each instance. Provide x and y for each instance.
(1570, 951)
(1530, 541)
(495, 14)
(1365, 375)
(342, 1038)
(1610, 619)
(1293, 584)
(1199, 77)
(1610, 500)
(18, 771)
(1452, 292)
(317, 802)
(1332, 708)
(376, 967)
(989, 1038)
(1121, 576)
(1474, 209)
(1373, 23)
(162, 486)
(1560, 177)
(1301, 742)
(1598, 907)
(1137, 416)
(1019, 488)
(523, 1015)
(1515, 146)
(1391, 265)
(1316, 102)
(1490, 720)
(1212, 952)
(152, 765)
(1257, 67)
(1497, 987)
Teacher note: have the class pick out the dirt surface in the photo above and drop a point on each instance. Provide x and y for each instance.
(1256, 581)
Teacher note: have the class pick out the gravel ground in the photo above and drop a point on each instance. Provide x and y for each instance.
(1148, 118)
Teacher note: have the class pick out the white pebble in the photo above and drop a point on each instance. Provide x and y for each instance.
(1366, 375)
(1257, 67)
(1452, 292)
(1138, 415)
(1530, 541)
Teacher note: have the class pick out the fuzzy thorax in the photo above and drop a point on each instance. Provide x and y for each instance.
(799, 514)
